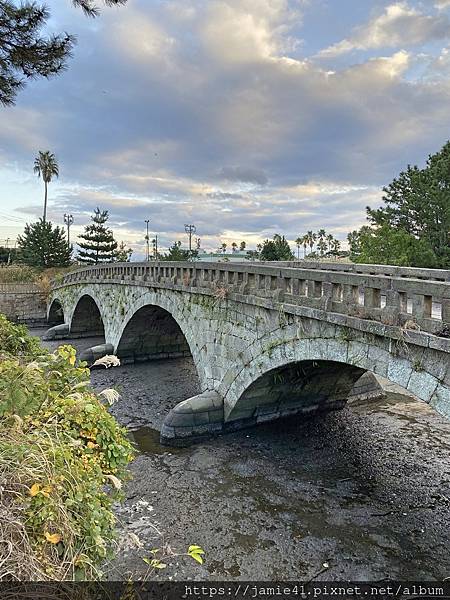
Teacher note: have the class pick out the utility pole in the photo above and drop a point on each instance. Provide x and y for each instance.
(68, 220)
(147, 221)
(190, 229)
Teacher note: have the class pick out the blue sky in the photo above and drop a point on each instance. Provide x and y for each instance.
(245, 117)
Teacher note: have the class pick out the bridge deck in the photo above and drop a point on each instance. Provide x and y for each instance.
(413, 298)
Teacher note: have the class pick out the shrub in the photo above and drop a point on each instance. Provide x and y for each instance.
(18, 274)
(62, 458)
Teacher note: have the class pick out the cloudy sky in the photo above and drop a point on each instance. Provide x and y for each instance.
(244, 117)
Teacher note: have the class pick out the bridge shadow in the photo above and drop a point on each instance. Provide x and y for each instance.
(55, 313)
(152, 333)
(86, 319)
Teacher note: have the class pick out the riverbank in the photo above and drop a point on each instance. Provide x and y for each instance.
(364, 490)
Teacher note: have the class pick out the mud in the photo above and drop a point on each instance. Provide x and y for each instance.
(364, 491)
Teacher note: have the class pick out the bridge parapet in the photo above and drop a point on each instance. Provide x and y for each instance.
(421, 296)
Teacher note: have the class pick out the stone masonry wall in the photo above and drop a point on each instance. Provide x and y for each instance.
(23, 303)
(236, 340)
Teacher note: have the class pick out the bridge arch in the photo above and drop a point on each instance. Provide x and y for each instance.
(86, 318)
(55, 312)
(152, 333)
(154, 326)
(331, 367)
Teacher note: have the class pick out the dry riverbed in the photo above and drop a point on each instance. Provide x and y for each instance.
(365, 490)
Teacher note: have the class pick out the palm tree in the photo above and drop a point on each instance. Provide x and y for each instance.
(299, 242)
(305, 241)
(46, 166)
(242, 246)
(234, 246)
(312, 237)
(330, 240)
(336, 246)
(224, 247)
(322, 246)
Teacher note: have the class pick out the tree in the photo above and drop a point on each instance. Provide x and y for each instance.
(123, 254)
(224, 247)
(242, 246)
(177, 253)
(389, 246)
(44, 246)
(25, 52)
(298, 242)
(322, 246)
(335, 246)
(321, 234)
(99, 244)
(305, 241)
(46, 167)
(234, 246)
(8, 255)
(311, 237)
(417, 203)
(276, 249)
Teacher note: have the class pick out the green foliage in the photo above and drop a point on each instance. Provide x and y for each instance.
(99, 244)
(327, 245)
(123, 254)
(64, 457)
(177, 253)
(276, 249)
(416, 218)
(18, 274)
(25, 52)
(46, 166)
(390, 246)
(44, 246)
(8, 255)
(160, 557)
(15, 340)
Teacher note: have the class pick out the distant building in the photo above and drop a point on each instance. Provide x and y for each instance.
(237, 256)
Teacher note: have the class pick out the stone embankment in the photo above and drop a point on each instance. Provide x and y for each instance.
(23, 303)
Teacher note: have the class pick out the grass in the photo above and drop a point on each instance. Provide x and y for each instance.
(18, 274)
(62, 459)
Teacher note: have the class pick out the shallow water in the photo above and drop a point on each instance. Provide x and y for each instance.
(365, 490)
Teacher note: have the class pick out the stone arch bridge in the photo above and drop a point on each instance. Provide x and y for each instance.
(268, 340)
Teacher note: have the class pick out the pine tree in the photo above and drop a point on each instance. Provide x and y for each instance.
(123, 254)
(43, 246)
(99, 244)
(26, 52)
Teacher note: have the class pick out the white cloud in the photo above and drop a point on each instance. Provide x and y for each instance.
(207, 119)
(442, 4)
(398, 26)
(242, 31)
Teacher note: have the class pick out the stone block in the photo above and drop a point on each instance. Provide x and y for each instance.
(422, 385)
(399, 371)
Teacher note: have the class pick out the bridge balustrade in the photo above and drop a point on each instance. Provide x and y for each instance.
(390, 295)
